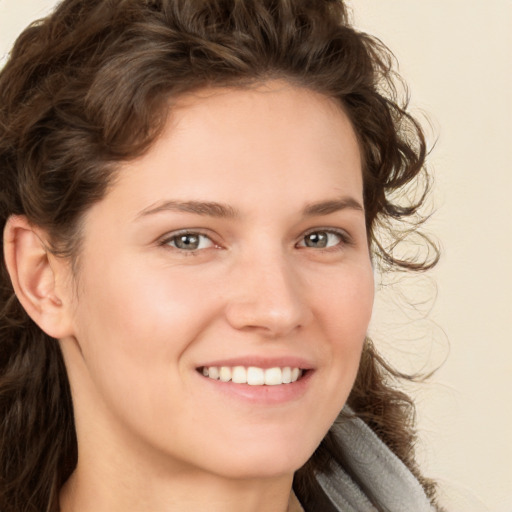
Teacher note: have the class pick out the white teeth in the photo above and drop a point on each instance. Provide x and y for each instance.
(287, 375)
(239, 375)
(273, 376)
(225, 374)
(253, 375)
(213, 372)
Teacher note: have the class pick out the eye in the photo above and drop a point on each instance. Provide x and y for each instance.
(323, 239)
(188, 241)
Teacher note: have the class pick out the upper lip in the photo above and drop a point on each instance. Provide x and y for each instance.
(262, 362)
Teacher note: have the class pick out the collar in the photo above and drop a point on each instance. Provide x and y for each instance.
(370, 473)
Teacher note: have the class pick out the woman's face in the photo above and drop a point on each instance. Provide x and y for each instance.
(235, 247)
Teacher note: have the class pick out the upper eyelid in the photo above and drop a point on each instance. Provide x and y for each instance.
(186, 231)
(327, 229)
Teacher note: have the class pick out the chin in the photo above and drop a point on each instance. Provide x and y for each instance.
(263, 460)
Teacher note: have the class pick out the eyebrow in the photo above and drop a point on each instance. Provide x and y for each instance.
(332, 206)
(220, 210)
(206, 208)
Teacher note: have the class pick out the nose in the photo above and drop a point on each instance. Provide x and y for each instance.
(267, 296)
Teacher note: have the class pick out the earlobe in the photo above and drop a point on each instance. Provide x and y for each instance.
(34, 273)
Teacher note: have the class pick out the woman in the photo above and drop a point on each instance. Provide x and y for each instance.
(190, 199)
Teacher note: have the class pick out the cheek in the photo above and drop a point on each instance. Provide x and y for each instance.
(347, 302)
(132, 320)
(345, 312)
(133, 330)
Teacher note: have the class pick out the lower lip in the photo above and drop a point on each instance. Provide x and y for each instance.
(264, 395)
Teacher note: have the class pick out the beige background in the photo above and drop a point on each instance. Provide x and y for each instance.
(457, 57)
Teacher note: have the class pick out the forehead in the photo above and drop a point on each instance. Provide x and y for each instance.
(240, 146)
(272, 114)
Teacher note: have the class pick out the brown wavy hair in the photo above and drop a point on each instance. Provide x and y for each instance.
(90, 86)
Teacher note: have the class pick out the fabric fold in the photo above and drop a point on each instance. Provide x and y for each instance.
(382, 476)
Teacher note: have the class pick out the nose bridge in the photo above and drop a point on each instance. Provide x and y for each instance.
(267, 294)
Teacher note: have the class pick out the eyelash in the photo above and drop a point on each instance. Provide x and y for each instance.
(166, 242)
(345, 240)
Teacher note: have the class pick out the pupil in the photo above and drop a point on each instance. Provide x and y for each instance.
(187, 242)
(317, 240)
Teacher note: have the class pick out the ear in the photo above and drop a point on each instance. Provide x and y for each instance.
(40, 280)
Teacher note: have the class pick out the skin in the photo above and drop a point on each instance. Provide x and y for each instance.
(143, 315)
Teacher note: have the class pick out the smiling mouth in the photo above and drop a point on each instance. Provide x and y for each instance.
(253, 375)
